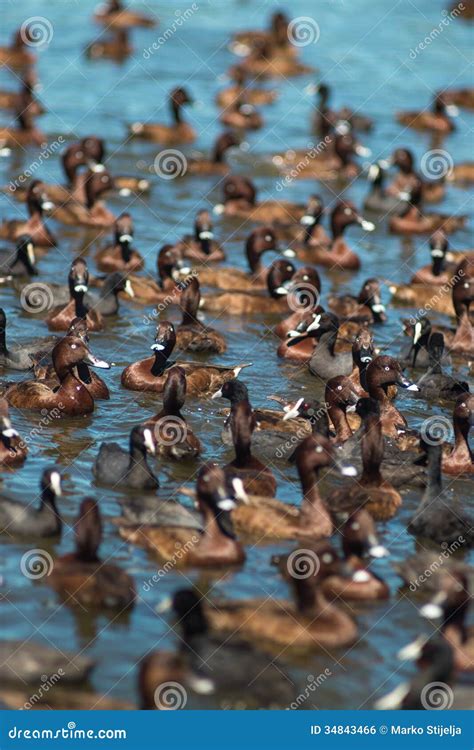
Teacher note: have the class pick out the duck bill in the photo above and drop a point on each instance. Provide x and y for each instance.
(81, 288)
(375, 549)
(407, 384)
(412, 651)
(288, 253)
(293, 411)
(93, 361)
(149, 442)
(367, 226)
(362, 150)
(434, 609)
(417, 333)
(128, 289)
(296, 338)
(31, 253)
(217, 394)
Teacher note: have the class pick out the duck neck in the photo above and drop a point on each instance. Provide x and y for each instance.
(3, 339)
(437, 265)
(313, 507)
(338, 417)
(434, 485)
(372, 451)
(48, 504)
(176, 112)
(327, 342)
(125, 250)
(80, 308)
(462, 449)
(160, 363)
(138, 465)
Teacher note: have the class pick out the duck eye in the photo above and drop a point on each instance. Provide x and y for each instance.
(268, 237)
(73, 346)
(339, 387)
(347, 211)
(289, 268)
(306, 277)
(386, 368)
(319, 449)
(104, 178)
(355, 526)
(327, 558)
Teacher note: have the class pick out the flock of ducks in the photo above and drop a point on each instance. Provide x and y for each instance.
(355, 430)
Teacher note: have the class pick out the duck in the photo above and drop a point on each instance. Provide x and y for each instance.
(309, 623)
(451, 605)
(171, 433)
(25, 133)
(255, 477)
(462, 296)
(460, 460)
(168, 135)
(332, 159)
(417, 352)
(37, 203)
(81, 578)
(121, 255)
(407, 179)
(359, 539)
(25, 98)
(243, 42)
(309, 232)
(436, 121)
(240, 87)
(72, 398)
(215, 163)
(202, 247)
(44, 370)
(366, 307)
(240, 199)
(21, 356)
(338, 255)
(113, 15)
(206, 664)
(94, 150)
(435, 273)
(26, 661)
(150, 374)
(20, 262)
(435, 662)
(18, 519)
(265, 61)
(116, 467)
(191, 334)
(265, 517)
(381, 373)
(13, 449)
(259, 241)
(339, 395)
(214, 546)
(325, 362)
(300, 346)
(434, 384)
(379, 199)
(463, 98)
(439, 518)
(61, 317)
(172, 269)
(18, 54)
(286, 287)
(413, 221)
(106, 301)
(241, 115)
(370, 491)
(116, 46)
(94, 212)
(325, 118)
